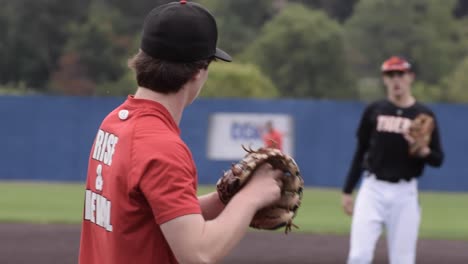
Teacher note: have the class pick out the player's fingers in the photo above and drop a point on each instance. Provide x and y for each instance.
(408, 138)
(279, 182)
(348, 209)
(265, 166)
(265, 170)
(347, 204)
(278, 176)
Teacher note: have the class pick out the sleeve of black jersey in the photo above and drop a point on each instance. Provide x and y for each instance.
(363, 135)
(436, 157)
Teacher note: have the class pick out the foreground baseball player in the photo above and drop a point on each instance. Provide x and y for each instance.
(141, 203)
(388, 195)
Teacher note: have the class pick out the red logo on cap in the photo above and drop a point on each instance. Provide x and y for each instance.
(395, 64)
(183, 2)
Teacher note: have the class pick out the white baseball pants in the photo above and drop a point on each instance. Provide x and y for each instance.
(393, 205)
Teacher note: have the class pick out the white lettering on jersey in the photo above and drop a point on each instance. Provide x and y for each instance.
(104, 147)
(98, 144)
(99, 178)
(393, 124)
(98, 210)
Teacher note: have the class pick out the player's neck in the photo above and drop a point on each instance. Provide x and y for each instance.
(174, 103)
(405, 100)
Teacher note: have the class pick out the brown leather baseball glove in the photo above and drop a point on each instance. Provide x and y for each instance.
(421, 131)
(283, 212)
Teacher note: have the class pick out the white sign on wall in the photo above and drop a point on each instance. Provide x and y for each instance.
(227, 133)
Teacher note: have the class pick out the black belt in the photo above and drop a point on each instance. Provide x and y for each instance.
(368, 174)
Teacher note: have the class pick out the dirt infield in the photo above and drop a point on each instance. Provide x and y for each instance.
(40, 244)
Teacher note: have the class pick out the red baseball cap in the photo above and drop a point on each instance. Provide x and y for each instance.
(395, 63)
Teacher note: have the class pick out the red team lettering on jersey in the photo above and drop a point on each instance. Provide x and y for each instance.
(133, 187)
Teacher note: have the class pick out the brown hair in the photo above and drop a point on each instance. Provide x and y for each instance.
(164, 76)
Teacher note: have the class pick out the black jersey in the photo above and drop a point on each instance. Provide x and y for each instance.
(382, 148)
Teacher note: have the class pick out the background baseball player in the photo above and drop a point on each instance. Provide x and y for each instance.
(388, 195)
(141, 202)
(272, 137)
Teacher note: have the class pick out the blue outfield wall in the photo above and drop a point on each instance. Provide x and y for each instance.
(49, 138)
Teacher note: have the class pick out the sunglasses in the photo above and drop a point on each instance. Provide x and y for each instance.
(392, 74)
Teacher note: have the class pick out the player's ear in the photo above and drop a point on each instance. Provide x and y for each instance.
(198, 75)
(203, 70)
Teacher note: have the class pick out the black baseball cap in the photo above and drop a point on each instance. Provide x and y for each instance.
(181, 32)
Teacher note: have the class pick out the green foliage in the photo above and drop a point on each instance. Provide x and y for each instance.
(81, 47)
(370, 89)
(225, 80)
(237, 80)
(303, 52)
(239, 21)
(33, 36)
(94, 54)
(424, 31)
(455, 85)
(463, 23)
(122, 87)
(425, 92)
(100, 46)
(133, 12)
(337, 9)
(16, 89)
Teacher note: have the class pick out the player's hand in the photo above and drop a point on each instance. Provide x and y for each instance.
(348, 203)
(409, 138)
(423, 152)
(264, 187)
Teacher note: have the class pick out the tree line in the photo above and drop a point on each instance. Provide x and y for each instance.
(325, 49)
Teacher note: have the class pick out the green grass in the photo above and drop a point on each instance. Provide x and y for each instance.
(41, 202)
(445, 215)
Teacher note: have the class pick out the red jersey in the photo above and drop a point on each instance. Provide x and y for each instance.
(273, 139)
(140, 175)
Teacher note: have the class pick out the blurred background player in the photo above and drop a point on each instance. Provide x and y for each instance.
(141, 202)
(388, 195)
(272, 138)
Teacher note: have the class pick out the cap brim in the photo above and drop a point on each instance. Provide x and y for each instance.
(222, 55)
(395, 68)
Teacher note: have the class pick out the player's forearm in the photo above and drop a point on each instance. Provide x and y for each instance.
(222, 234)
(355, 170)
(195, 240)
(436, 155)
(211, 205)
(350, 184)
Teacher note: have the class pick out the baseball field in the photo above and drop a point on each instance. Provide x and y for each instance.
(45, 218)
